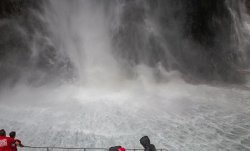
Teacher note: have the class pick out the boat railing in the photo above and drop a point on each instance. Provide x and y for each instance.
(54, 148)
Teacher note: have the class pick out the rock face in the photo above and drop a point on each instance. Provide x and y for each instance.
(197, 38)
(248, 5)
(210, 27)
(11, 8)
(26, 52)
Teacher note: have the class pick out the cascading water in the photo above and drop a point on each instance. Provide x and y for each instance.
(89, 73)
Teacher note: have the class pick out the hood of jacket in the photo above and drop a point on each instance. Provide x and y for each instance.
(145, 141)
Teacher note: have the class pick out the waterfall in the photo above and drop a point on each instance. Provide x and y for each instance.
(92, 73)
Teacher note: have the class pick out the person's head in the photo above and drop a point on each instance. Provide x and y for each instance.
(12, 134)
(145, 141)
(2, 132)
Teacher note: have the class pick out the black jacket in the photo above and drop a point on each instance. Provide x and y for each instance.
(145, 141)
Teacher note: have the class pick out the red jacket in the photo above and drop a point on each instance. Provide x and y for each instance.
(6, 143)
(17, 142)
(121, 149)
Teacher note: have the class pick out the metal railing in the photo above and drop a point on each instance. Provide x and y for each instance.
(50, 148)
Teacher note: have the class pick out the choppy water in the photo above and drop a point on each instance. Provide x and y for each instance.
(175, 115)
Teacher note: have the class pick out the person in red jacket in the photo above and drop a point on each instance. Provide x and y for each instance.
(5, 142)
(121, 149)
(117, 148)
(16, 143)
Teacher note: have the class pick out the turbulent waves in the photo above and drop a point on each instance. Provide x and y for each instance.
(177, 116)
